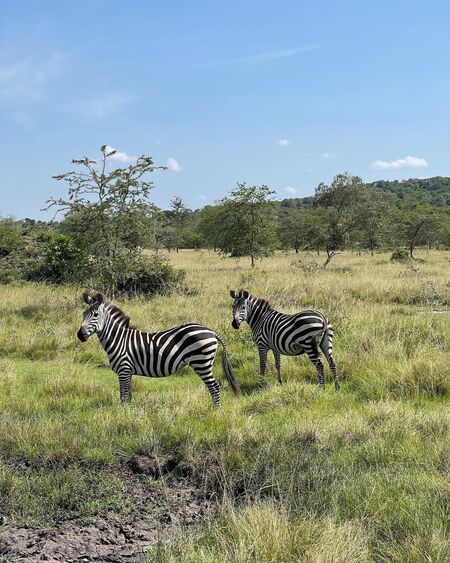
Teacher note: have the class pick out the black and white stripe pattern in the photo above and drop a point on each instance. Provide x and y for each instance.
(290, 335)
(131, 351)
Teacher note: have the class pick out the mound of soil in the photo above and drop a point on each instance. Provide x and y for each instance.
(158, 513)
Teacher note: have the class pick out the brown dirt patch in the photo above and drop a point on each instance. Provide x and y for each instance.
(159, 512)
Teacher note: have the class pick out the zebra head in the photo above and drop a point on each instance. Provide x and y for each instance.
(240, 307)
(93, 317)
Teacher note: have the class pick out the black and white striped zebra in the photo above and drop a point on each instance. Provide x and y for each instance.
(290, 335)
(131, 351)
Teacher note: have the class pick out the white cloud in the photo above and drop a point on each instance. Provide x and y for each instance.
(119, 156)
(103, 106)
(261, 57)
(173, 165)
(407, 162)
(328, 155)
(26, 79)
(283, 142)
(290, 190)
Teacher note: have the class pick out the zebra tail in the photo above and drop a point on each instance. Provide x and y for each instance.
(228, 369)
(327, 331)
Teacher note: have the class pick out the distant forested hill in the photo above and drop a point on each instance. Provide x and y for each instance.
(435, 191)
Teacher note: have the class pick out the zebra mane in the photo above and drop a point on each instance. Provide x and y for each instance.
(264, 302)
(120, 315)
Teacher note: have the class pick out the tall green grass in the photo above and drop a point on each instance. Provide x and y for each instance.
(302, 475)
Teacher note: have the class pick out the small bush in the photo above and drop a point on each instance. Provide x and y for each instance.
(59, 260)
(308, 268)
(10, 238)
(8, 271)
(154, 275)
(400, 255)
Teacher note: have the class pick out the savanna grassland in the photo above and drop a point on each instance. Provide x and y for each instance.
(297, 474)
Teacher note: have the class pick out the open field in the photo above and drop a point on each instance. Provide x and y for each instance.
(285, 473)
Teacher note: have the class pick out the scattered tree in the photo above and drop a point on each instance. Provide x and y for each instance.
(244, 224)
(109, 216)
(346, 198)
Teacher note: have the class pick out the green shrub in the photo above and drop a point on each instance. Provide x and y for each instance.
(10, 238)
(8, 271)
(153, 275)
(400, 255)
(11, 243)
(60, 260)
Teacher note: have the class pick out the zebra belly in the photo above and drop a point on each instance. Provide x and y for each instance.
(294, 349)
(148, 371)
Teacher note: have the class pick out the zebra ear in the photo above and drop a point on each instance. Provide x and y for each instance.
(87, 299)
(233, 294)
(245, 294)
(98, 298)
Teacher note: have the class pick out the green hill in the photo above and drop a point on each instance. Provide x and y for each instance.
(435, 191)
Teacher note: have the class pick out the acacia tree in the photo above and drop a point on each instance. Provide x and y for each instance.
(291, 228)
(419, 223)
(346, 199)
(373, 225)
(209, 225)
(315, 228)
(108, 212)
(243, 223)
(177, 218)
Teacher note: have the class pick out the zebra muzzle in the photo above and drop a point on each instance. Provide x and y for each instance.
(82, 335)
(235, 324)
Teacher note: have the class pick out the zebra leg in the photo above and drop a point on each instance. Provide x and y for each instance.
(333, 368)
(205, 374)
(125, 385)
(262, 364)
(277, 356)
(327, 348)
(313, 355)
(214, 389)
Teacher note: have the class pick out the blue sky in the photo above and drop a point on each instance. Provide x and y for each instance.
(285, 93)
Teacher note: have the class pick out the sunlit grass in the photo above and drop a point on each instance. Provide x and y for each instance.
(304, 475)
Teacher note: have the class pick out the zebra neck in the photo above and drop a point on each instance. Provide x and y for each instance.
(258, 311)
(113, 333)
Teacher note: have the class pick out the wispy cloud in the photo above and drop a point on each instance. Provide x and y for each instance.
(407, 162)
(120, 156)
(290, 190)
(173, 165)
(328, 156)
(26, 79)
(260, 57)
(202, 197)
(283, 142)
(103, 106)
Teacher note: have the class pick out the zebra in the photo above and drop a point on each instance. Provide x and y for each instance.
(289, 335)
(132, 352)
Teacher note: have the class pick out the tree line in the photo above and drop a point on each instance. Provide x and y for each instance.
(109, 234)
(345, 214)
